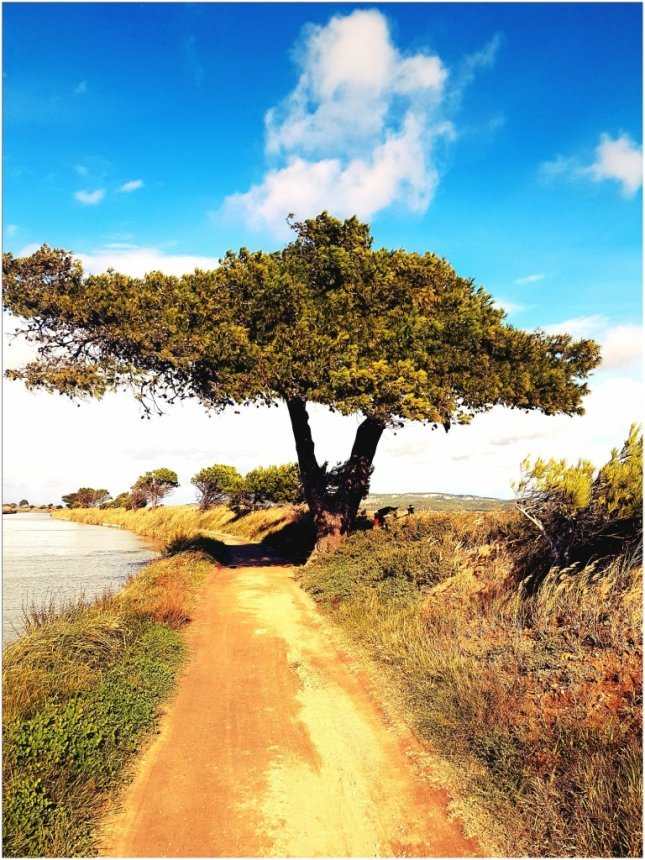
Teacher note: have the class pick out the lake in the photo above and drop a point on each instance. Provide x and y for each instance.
(46, 558)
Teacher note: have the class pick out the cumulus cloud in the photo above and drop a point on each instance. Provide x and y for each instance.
(619, 160)
(361, 130)
(137, 261)
(90, 198)
(133, 185)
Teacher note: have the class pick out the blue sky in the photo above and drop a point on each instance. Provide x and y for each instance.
(505, 137)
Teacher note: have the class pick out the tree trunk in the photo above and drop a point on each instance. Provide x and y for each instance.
(333, 514)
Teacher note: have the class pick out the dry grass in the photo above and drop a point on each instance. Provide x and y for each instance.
(172, 523)
(534, 698)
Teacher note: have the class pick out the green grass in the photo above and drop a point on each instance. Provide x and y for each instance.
(81, 692)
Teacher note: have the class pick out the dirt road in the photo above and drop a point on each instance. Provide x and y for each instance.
(272, 746)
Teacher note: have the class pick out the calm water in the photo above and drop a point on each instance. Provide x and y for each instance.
(44, 558)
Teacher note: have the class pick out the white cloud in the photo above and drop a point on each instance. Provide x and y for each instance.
(622, 348)
(11, 230)
(484, 458)
(359, 132)
(395, 171)
(137, 261)
(90, 198)
(529, 279)
(588, 326)
(619, 160)
(621, 345)
(81, 88)
(133, 185)
(509, 306)
(82, 170)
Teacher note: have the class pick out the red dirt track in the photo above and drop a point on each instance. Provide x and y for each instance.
(272, 746)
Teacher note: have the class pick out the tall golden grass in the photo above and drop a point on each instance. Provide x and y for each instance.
(175, 522)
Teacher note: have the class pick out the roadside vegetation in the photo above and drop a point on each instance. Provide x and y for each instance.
(512, 636)
(82, 690)
(524, 674)
(286, 528)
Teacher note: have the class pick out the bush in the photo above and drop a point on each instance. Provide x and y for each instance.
(581, 514)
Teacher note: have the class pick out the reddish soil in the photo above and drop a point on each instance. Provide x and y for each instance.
(273, 745)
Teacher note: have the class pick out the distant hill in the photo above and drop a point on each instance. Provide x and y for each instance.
(434, 502)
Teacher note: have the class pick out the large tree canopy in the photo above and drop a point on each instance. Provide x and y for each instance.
(391, 335)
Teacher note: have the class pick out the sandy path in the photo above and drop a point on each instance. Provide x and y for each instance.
(272, 745)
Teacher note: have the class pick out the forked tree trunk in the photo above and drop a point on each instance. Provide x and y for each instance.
(334, 514)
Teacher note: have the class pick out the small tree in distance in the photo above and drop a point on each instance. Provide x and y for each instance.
(215, 484)
(23, 503)
(126, 500)
(280, 485)
(86, 497)
(154, 486)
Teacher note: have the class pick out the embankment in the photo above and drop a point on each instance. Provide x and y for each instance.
(284, 528)
(82, 690)
(534, 700)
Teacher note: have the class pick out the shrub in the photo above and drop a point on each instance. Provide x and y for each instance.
(581, 514)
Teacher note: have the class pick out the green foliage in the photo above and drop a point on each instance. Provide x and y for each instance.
(153, 486)
(619, 484)
(23, 503)
(392, 334)
(215, 484)
(582, 513)
(59, 760)
(394, 564)
(127, 500)
(278, 485)
(86, 497)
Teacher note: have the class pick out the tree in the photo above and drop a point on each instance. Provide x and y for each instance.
(125, 500)
(153, 486)
(23, 503)
(215, 484)
(278, 485)
(392, 336)
(86, 497)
